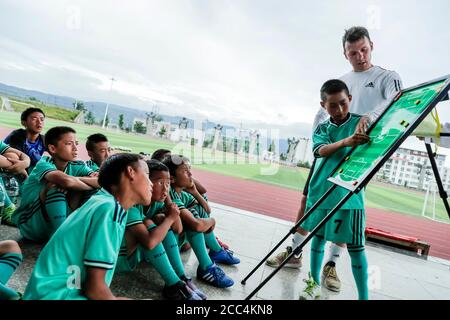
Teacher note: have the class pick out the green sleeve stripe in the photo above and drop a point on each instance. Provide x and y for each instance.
(133, 223)
(4, 150)
(45, 172)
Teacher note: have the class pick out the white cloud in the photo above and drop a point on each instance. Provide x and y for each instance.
(227, 61)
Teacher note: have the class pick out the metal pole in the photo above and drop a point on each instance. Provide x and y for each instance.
(107, 104)
(443, 194)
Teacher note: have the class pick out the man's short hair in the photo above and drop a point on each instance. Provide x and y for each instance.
(155, 166)
(113, 167)
(24, 116)
(54, 134)
(354, 34)
(94, 139)
(333, 86)
(160, 154)
(173, 162)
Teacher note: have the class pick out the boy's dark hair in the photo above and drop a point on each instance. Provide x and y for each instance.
(112, 168)
(54, 134)
(160, 154)
(93, 139)
(354, 34)
(332, 87)
(155, 166)
(173, 162)
(24, 116)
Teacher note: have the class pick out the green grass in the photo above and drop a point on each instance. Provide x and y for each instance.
(50, 111)
(382, 196)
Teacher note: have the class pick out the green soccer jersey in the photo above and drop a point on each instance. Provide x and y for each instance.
(155, 208)
(30, 204)
(3, 147)
(328, 133)
(90, 237)
(183, 200)
(91, 164)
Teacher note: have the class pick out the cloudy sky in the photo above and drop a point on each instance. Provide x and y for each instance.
(229, 61)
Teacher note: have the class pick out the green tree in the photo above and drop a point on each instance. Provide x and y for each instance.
(79, 105)
(272, 146)
(139, 127)
(106, 121)
(162, 132)
(90, 119)
(158, 118)
(121, 122)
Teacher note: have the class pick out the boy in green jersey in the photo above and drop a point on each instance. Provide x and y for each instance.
(153, 237)
(54, 188)
(198, 229)
(331, 141)
(79, 260)
(98, 149)
(12, 162)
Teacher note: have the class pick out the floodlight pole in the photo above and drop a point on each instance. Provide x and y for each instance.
(107, 104)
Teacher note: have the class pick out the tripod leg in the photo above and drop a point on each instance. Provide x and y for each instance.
(299, 248)
(292, 231)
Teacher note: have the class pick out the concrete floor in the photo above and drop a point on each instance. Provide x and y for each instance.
(393, 275)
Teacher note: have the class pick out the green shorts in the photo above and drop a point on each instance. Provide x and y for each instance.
(129, 263)
(346, 226)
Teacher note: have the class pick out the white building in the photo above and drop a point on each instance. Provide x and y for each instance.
(412, 168)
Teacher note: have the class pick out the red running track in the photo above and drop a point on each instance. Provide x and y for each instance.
(283, 203)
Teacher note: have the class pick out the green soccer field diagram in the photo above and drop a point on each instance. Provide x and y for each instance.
(387, 130)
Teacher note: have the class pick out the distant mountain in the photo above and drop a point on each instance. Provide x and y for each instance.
(98, 109)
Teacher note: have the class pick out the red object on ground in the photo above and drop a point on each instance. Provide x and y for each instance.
(390, 235)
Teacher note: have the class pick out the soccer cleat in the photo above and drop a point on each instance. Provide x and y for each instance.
(7, 215)
(179, 291)
(294, 263)
(214, 276)
(224, 256)
(329, 277)
(193, 287)
(311, 291)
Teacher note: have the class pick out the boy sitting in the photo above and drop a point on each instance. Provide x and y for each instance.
(331, 142)
(199, 230)
(98, 149)
(155, 239)
(79, 260)
(12, 162)
(54, 187)
(29, 140)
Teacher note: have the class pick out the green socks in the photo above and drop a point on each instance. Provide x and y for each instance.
(158, 258)
(8, 264)
(197, 241)
(170, 244)
(211, 242)
(56, 208)
(317, 253)
(360, 270)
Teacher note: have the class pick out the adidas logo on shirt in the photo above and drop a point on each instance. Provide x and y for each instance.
(370, 85)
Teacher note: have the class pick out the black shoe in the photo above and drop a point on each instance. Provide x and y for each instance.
(179, 291)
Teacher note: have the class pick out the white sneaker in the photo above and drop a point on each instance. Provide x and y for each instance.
(277, 260)
(312, 290)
